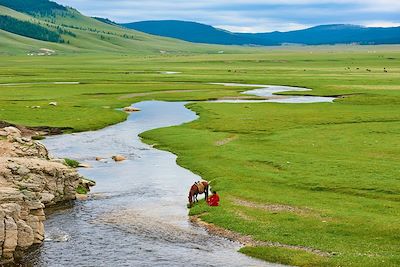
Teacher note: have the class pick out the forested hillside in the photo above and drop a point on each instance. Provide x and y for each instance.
(29, 29)
(39, 7)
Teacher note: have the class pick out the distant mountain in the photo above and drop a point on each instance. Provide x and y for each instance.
(29, 26)
(336, 34)
(196, 33)
(319, 35)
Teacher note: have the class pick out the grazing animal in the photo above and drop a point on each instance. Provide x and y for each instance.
(196, 189)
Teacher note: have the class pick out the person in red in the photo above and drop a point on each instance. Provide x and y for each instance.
(213, 200)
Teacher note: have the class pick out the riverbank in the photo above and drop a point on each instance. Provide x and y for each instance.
(29, 182)
(297, 175)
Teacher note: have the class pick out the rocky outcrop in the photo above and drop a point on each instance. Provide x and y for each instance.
(29, 182)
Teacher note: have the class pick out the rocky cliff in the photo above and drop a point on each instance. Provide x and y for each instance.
(29, 182)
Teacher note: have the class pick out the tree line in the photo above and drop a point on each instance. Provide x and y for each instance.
(41, 7)
(29, 29)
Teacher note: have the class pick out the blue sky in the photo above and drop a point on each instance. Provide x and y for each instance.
(248, 15)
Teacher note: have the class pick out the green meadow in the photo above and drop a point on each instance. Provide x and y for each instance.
(318, 184)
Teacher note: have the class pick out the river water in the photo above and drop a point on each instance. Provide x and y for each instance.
(268, 91)
(136, 214)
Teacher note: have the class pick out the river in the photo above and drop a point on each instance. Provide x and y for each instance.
(136, 215)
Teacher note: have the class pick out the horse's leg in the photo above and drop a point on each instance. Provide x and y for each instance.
(190, 201)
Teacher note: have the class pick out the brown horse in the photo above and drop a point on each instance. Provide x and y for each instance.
(196, 189)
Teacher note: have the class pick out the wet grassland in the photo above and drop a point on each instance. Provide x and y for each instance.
(312, 184)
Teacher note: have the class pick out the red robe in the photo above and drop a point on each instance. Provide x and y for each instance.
(213, 200)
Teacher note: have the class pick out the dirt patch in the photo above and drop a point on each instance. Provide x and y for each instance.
(271, 207)
(226, 140)
(277, 208)
(155, 93)
(249, 241)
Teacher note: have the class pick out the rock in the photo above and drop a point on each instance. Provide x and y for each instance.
(14, 132)
(23, 170)
(84, 165)
(11, 238)
(81, 197)
(88, 182)
(29, 181)
(46, 197)
(118, 158)
(61, 161)
(53, 104)
(39, 213)
(25, 236)
(3, 133)
(12, 210)
(99, 159)
(37, 228)
(2, 231)
(131, 109)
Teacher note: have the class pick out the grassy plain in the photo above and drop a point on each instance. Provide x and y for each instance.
(318, 176)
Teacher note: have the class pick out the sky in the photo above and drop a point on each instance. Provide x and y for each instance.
(247, 15)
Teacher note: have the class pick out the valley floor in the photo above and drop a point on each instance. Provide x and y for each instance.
(324, 177)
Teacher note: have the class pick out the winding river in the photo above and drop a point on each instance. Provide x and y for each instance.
(136, 214)
(268, 92)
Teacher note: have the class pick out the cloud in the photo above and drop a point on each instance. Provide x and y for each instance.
(247, 15)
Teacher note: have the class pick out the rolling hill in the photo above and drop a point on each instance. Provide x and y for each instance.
(319, 35)
(27, 26)
(196, 33)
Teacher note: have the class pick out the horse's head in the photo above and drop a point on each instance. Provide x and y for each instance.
(192, 192)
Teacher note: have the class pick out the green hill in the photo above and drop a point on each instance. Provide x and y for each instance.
(75, 32)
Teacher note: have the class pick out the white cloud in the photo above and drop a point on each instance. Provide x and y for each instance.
(382, 24)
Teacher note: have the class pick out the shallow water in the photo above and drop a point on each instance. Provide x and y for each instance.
(269, 92)
(137, 214)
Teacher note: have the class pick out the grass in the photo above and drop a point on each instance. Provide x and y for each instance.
(81, 190)
(331, 169)
(286, 256)
(72, 163)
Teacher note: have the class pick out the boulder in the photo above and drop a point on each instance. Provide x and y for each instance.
(118, 158)
(12, 131)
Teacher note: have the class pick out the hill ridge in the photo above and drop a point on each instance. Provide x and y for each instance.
(317, 35)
